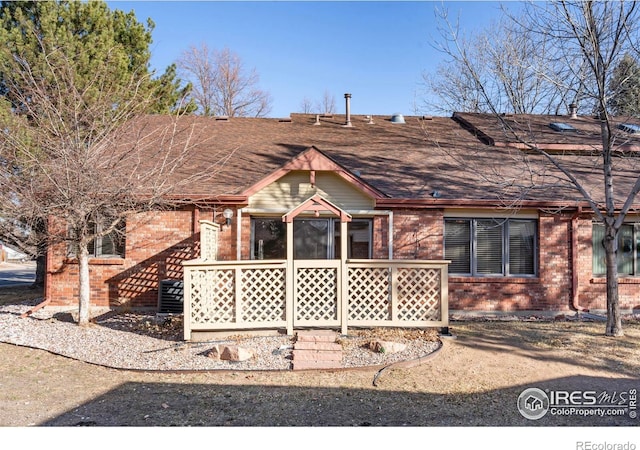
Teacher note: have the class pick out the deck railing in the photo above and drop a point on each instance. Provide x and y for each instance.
(246, 295)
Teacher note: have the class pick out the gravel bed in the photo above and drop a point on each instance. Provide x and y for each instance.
(154, 343)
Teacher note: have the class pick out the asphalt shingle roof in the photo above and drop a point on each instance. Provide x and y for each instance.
(467, 157)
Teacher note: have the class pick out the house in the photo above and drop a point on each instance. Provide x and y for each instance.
(8, 253)
(482, 223)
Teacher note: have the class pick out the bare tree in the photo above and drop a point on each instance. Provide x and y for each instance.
(221, 84)
(502, 68)
(75, 155)
(306, 106)
(327, 105)
(584, 41)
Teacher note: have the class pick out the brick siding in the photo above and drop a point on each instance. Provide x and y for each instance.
(156, 245)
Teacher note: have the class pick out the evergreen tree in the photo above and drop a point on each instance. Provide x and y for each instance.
(624, 88)
(73, 76)
(89, 34)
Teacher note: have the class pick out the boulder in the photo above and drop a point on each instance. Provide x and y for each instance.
(236, 353)
(214, 352)
(387, 346)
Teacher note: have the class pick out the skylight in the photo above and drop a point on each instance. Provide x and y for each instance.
(629, 128)
(561, 126)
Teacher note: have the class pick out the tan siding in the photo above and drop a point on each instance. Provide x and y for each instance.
(294, 188)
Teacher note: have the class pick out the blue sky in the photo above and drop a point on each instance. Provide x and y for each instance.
(377, 51)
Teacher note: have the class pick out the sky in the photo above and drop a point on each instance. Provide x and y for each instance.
(377, 51)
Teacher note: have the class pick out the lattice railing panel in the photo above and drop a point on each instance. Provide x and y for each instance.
(316, 293)
(379, 293)
(209, 240)
(263, 295)
(418, 294)
(212, 296)
(369, 293)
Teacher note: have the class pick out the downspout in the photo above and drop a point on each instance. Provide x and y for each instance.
(574, 263)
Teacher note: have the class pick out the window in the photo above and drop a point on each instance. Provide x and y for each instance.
(491, 247)
(628, 254)
(108, 246)
(269, 238)
(313, 238)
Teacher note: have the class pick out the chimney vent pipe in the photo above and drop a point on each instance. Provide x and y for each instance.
(573, 110)
(347, 98)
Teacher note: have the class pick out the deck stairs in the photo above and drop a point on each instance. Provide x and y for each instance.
(316, 349)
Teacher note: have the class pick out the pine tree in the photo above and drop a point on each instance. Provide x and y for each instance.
(625, 88)
(74, 75)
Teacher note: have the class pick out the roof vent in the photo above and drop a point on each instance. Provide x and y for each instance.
(397, 118)
(286, 119)
(370, 120)
(317, 122)
(222, 118)
(573, 110)
(561, 126)
(347, 98)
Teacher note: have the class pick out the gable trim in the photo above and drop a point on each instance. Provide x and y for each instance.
(314, 160)
(316, 204)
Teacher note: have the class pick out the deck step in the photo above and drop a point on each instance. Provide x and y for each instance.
(316, 336)
(317, 349)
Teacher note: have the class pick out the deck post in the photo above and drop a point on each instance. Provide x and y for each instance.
(343, 294)
(187, 303)
(290, 280)
(444, 293)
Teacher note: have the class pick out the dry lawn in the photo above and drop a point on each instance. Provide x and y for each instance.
(474, 380)
(18, 294)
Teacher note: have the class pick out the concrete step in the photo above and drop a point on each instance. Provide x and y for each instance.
(316, 349)
(316, 355)
(327, 346)
(316, 336)
(310, 365)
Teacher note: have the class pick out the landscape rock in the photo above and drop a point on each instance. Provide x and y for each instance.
(236, 353)
(214, 353)
(387, 346)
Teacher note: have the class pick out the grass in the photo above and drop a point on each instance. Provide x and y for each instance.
(18, 294)
(583, 342)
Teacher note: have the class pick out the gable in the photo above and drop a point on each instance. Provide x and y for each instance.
(313, 160)
(295, 187)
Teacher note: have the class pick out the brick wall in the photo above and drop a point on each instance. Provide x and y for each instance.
(418, 234)
(157, 244)
(550, 290)
(592, 292)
